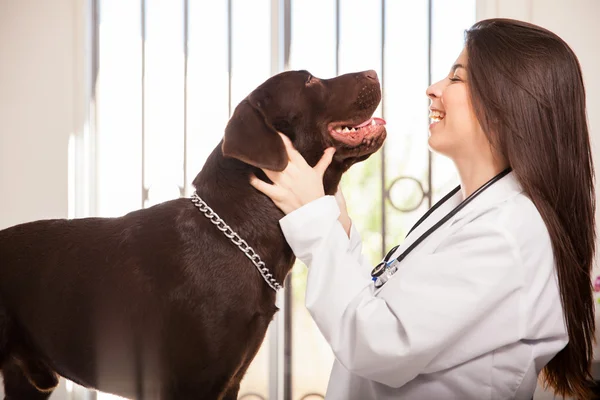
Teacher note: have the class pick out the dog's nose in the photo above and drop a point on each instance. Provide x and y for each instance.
(371, 74)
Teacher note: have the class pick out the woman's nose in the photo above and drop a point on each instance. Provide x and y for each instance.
(434, 91)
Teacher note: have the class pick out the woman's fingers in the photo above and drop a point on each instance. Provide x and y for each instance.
(274, 176)
(298, 184)
(325, 161)
(284, 179)
(272, 191)
(297, 161)
(293, 154)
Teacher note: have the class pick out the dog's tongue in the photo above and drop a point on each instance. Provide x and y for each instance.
(378, 121)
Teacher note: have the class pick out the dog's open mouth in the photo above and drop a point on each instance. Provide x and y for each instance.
(353, 135)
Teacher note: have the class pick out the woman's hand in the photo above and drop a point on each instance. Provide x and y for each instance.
(298, 184)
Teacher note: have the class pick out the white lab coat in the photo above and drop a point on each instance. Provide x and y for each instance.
(473, 312)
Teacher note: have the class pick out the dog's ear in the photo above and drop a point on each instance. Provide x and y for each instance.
(249, 138)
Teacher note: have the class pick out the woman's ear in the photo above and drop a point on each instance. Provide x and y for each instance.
(249, 138)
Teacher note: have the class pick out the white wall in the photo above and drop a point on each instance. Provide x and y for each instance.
(577, 22)
(41, 105)
(41, 92)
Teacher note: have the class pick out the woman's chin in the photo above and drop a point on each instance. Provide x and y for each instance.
(436, 136)
(436, 143)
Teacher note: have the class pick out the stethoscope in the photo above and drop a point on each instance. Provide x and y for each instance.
(385, 269)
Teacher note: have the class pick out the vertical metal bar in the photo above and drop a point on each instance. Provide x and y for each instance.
(287, 340)
(277, 326)
(288, 323)
(280, 336)
(229, 53)
(287, 31)
(90, 395)
(429, 79)
(79, 392)
(383, 177)
(143, 24)
(337, 37)
(139, 386)
(280, 329)
(186, 6)
(284, 56)
(95, 44)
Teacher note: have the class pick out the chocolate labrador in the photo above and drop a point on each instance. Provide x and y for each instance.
(160, 303)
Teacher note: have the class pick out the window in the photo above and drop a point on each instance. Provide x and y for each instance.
(171, 72)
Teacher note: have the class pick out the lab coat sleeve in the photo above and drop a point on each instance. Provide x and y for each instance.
(355, 244)
(423, 320)
(328, 208)
(355, 249)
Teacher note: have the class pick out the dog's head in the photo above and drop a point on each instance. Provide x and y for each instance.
(314, 113)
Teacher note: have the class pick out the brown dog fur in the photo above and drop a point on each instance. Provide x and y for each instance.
(158, 303)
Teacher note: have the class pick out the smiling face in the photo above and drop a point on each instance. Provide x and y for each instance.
(454, 131)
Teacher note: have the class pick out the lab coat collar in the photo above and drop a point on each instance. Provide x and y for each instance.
(501, 191)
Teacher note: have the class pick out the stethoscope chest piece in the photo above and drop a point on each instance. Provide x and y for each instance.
(383, 272)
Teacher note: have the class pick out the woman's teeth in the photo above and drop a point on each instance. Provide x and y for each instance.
(436, 116)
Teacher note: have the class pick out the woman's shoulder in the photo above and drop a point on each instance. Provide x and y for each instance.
(503, 206)
(514, 218)
(521, 224)
(519, 217)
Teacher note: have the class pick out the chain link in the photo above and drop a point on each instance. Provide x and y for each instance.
(237, 240)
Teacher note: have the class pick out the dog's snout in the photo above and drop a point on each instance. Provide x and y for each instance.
(371, 74)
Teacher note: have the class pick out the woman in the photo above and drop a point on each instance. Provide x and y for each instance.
(501, 290)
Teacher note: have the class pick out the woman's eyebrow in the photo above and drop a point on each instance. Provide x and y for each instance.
(457, 66)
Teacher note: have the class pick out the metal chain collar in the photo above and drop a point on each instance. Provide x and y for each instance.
(237, 240)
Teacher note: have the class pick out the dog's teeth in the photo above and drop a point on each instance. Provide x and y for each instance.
(338, 129)
(373, 122)
(346, 130)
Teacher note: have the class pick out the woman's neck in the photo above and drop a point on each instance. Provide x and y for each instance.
(475, 172)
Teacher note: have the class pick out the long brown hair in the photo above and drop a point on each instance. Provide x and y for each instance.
(527, 90)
